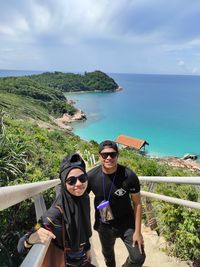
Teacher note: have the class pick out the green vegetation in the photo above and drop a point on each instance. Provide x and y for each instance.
(68, 82)
(50, 99)
(30, 153)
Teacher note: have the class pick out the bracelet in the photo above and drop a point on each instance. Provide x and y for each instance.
(30, 244)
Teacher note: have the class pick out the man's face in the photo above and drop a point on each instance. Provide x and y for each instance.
(108, 158)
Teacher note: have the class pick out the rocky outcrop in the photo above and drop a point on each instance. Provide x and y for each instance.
(180, 163)
(79, 115)
(66, 118)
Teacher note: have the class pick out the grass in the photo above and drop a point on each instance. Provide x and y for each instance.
(23, 107)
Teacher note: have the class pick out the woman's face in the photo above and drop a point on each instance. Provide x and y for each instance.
(79, 187)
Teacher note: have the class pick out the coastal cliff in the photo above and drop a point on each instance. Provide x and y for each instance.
(63, 121)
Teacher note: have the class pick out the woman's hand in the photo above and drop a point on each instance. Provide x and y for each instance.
(40, 236)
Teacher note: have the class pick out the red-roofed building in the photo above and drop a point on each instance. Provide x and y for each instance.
(131, 142)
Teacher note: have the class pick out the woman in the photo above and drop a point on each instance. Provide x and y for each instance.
(68, 219)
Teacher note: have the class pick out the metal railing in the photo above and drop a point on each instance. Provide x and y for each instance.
(11, 195)
(193, 180)
(171, 179)
(173, 200)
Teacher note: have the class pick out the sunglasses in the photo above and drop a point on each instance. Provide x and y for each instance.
(73, 179)
(106, 154)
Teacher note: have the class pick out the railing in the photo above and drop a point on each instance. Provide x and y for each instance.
(11, 195)
(90, 157)
(177, 180)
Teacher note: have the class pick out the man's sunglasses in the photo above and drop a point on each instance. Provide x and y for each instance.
(106, 154)
(73, 179)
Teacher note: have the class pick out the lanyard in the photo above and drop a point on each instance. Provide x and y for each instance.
(104, 190)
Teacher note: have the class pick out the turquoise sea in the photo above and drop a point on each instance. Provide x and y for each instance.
(164, 110)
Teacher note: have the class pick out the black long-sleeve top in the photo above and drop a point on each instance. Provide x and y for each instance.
(52, 220)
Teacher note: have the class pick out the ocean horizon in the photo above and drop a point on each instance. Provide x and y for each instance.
(161, 109)
(10, 73)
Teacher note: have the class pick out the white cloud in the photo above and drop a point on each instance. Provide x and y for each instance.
(6, 30)
(118, 35)
(195, 42)
(181, 63)
(195, 70)
(41, 19)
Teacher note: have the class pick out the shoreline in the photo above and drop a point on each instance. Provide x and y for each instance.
(119, 88)
(79, 115)
(66, 119)
(178, 162)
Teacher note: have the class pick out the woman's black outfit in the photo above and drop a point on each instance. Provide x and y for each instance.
(70, 214)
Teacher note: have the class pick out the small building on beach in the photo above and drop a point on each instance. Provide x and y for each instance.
(132, 142)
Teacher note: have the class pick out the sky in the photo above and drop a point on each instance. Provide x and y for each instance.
(114, 36)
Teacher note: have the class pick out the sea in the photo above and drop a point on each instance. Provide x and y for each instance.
(163, 110)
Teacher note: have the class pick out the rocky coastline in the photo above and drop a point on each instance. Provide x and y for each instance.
(119, 88)
(186, 164)
(66, 119)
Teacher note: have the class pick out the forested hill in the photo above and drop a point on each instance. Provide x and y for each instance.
(70, 82)
(46, 90)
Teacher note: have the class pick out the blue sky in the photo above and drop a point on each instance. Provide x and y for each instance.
(126, 36)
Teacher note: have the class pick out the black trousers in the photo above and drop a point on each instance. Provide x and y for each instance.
(108, 235)
(84, 264)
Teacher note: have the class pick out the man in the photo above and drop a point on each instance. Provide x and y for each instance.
(114, 187)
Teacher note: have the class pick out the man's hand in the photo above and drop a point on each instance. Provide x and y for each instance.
(138, 240)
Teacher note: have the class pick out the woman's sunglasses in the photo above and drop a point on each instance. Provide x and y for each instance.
(73, 179)
(106, 154)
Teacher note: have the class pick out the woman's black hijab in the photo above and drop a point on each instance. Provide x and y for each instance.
(76, 210)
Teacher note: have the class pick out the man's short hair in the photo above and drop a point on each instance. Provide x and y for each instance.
(108, 144)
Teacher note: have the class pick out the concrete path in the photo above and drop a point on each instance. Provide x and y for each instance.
(153, 244)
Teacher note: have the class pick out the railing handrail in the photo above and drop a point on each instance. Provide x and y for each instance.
(36, 255)
(193, 180)
(173, 200)
(11, 195)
